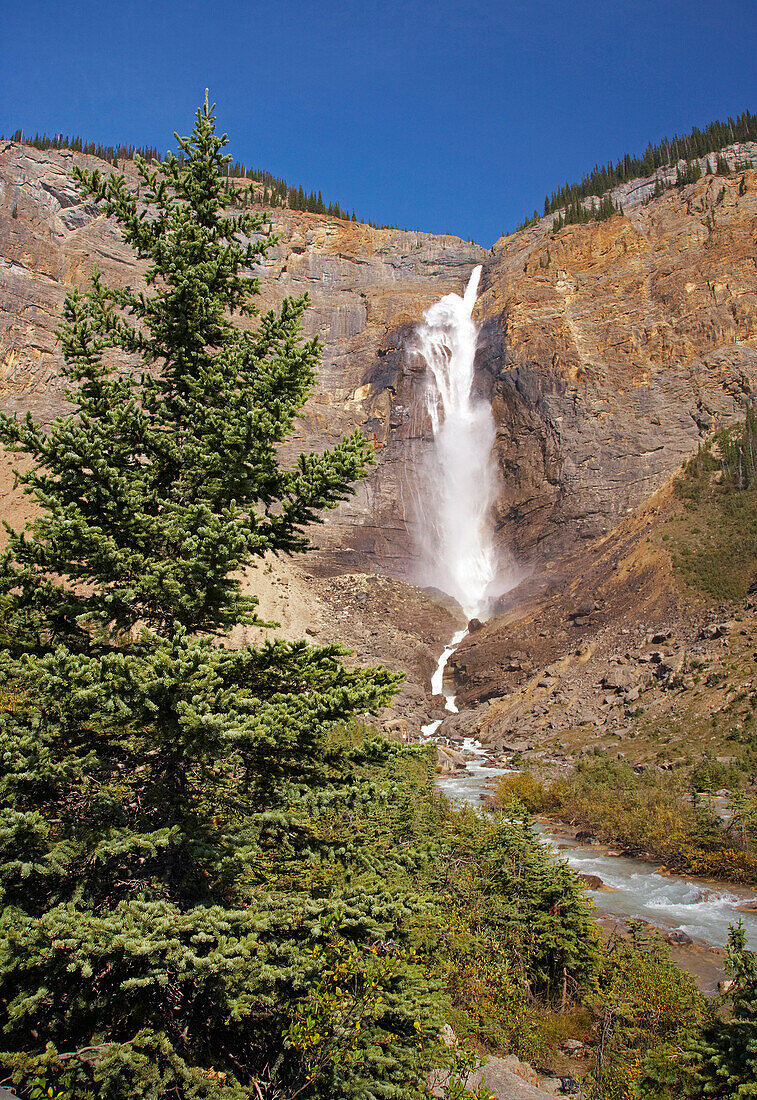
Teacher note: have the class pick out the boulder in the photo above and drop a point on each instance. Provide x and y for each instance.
(678, 937)
(621, 678)
(509, 1079)
(448, 761)
(396, 729)
(716, 630)
(574, 1048)
(672, 665)
(582, 610)
(594, 882)
(448, 1037)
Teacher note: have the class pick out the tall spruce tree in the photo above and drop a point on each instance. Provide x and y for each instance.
(720, 1059)
(176, 919)
(723, 1060)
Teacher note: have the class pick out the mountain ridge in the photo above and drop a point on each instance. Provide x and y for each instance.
(659, 162)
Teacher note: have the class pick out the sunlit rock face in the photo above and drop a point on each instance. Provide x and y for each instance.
(613, 349)
(608, 350)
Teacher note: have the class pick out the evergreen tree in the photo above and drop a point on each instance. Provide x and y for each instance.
(738, 448)
(724, 1060)
(694, 145)
(177, 921)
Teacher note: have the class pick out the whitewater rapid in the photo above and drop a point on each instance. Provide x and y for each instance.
(634, 888)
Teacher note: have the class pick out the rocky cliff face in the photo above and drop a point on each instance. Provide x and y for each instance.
(609, 349)
(614, 348)
(368, 289)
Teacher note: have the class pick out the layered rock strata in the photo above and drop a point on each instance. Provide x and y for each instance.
(614, 348)
(609, 349)
(367, 287)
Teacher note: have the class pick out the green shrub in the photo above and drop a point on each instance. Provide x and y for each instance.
(526, 788)
(644, 1006)
(655, 813)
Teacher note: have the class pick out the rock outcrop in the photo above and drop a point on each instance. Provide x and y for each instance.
(614, 348)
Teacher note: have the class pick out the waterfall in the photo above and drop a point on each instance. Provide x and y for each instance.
(459, 482)
(454, 506)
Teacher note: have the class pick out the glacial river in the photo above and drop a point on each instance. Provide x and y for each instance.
(701, 908)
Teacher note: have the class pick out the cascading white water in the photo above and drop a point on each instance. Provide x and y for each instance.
(455, 507)
(460, 484)
(437, 683)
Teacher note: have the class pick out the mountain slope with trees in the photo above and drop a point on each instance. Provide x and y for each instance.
(569, 200)
(271, 190)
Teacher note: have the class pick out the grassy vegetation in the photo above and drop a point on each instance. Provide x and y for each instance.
(660, 815)
(713, 541)
(504, 932)
(500, 929)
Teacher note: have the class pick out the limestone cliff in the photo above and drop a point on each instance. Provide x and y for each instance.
(614, 348)
(610, 349)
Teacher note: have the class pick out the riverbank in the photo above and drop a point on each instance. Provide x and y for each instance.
(690, 908)
(667, 817)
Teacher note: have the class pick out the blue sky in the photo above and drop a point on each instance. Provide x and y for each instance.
(445, 116)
